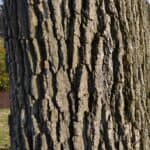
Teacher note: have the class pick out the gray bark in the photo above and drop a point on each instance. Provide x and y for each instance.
(79, 73)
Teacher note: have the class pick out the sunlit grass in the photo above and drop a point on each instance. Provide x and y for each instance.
(1, 44)
(4, 130)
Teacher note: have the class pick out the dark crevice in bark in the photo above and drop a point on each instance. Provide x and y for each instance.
(54, 83)
(40, 35)
(72, 119)
(105, 129)
(76, 84)
(91, 89)
(94, 51)
(70, 31)
(41, 91)
(65, 16)
(30, 51)
(84, 20)
(25, 103)
(49, 140)
(127, 94)
(58, 128)
(85, 129)
(100, 16)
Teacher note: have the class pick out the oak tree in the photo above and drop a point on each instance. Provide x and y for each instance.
(79, 73)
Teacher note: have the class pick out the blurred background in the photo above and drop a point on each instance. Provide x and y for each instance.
(4, 90)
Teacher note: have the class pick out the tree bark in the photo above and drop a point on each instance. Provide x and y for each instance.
(79, 73)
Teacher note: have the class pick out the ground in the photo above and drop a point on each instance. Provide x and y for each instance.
(4, 131)
(4, 99)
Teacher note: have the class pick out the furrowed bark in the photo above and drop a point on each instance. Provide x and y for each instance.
(79, 73)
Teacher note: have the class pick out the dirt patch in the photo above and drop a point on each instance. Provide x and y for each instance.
(4, 100)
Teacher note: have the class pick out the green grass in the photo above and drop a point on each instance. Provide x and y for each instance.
(4, 81)
(4, 130)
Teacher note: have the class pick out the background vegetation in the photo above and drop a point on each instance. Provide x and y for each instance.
(4, 86)
(4, 81)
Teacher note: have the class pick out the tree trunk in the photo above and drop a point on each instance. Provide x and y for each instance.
(79, 73)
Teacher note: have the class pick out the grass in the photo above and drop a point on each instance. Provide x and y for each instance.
(4, 130)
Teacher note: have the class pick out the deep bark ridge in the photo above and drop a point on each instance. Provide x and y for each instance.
(80, 74)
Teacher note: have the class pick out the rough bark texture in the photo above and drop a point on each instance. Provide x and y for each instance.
(80, 74)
